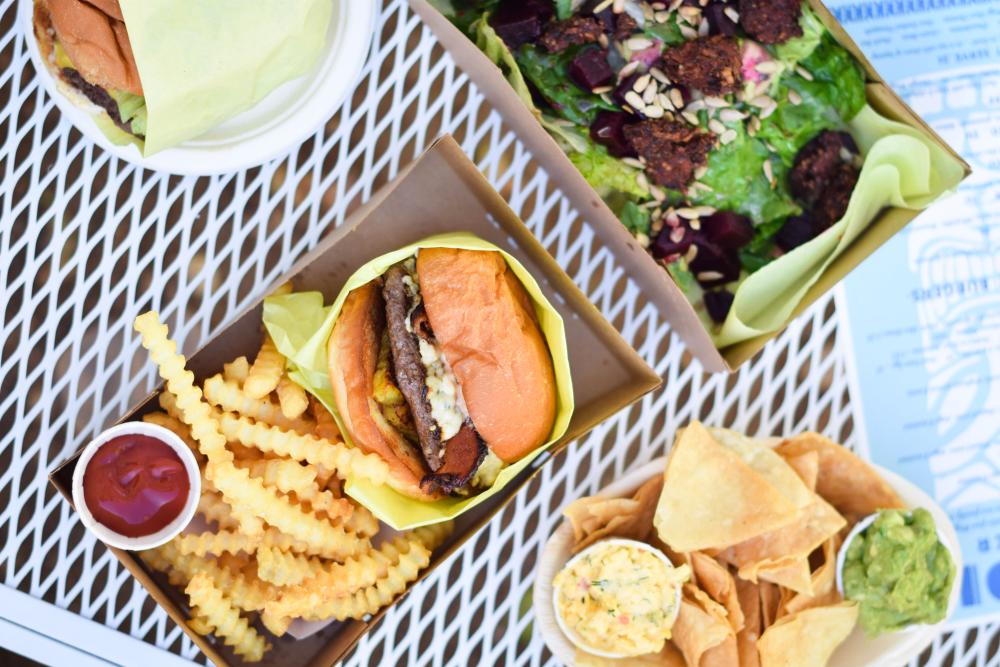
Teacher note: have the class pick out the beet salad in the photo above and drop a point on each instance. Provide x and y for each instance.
(715, 129)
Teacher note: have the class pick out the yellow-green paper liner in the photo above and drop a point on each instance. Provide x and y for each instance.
(202, 62)
(300, 326)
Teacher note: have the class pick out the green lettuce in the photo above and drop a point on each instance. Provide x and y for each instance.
(738, 183)
(799, 48)
(547, 71)
(489, 43)
(608, 174)
(564, 9)
(132, 109)
(838, 80)
(635, 218)
(668, 32)
(792, 125)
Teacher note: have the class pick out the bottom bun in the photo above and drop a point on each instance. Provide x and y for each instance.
(352, 355)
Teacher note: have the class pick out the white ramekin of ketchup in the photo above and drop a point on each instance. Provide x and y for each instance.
(136, 486)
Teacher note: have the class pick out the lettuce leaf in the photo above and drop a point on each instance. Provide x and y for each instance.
(564, 9)
(608, 174)
(635, 219)
(736, 176)
(795, 50)
(132, 109)
(668, 32)
(838, 80)
(547, 71)
(792, 125)
(489, 43)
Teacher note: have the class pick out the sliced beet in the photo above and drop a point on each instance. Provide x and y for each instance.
(519, 22)
(728, 230)
(608, 130)
(797, 230)
(672, 241)
(589, 69)
(712, 266)
(718, 304)
(719, 23)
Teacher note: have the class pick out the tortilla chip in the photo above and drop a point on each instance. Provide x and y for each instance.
(808, 638)
(848, 483)
(807, 467)
(693, 515)
(782, 555)
(668, 657)
(767, 463)
(714, 578)
(769, 600)
(748, 594)
(790, 573)
(597, 517)
(725, 654)
(824, 584)
(696, 630)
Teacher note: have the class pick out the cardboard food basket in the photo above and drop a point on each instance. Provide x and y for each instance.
(648, 274)
(440, 192)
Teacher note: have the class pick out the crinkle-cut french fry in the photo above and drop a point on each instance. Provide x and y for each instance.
(362, 521)
(200, 626)
(434, 535)
(266, 371)
(249, 492)
(247, 592)
(237, 487)
(372, 598)
(209, 603)
(286, 569)
(213, 507)
(326, 426)
(290, 476)
(178, 428)
(229, 397)
(180, 382)
(224, 541)
(249, 523)
(346, 460)
(236, 370)
(291, 398)
(276, 625)
(337, 581)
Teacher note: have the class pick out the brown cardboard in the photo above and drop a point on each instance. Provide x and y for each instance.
(654, 281)
(442, 191)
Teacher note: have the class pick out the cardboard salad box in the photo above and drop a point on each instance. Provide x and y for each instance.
(442, 191)
(648, 274)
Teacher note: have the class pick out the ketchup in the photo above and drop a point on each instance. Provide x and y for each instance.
(135, 485)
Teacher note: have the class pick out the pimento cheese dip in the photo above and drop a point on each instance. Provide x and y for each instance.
(618, 598)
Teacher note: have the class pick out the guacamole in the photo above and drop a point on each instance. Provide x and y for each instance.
(898, 572)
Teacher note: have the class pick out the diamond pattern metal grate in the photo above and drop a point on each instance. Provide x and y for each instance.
(87, 242)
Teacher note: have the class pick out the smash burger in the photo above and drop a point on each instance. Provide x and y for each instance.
(85, 45)
(439, 366)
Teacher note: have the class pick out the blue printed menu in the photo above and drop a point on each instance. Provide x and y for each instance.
(924, 311)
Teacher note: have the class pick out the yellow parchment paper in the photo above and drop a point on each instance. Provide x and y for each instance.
(300, 326)
(902, 168)
(203, 61)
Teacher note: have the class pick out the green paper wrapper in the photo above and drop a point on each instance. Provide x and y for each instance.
(902, 168)
(203, 62)
(300, 326)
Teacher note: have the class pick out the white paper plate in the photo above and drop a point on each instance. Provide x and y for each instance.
(885, 651)
(281, 120)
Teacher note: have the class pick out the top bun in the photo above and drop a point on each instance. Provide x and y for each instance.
(94, 37)
(485, 324)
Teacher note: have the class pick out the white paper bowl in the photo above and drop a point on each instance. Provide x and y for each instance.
(171, 530)
(289, 114)
(890, 650)
(572, 636)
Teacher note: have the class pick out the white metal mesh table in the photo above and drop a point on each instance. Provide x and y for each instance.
(87, 242)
